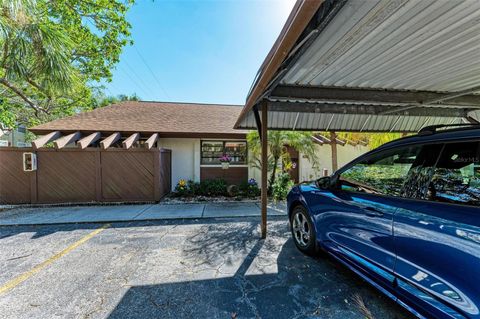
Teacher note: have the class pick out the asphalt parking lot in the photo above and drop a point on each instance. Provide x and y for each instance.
(211, 268)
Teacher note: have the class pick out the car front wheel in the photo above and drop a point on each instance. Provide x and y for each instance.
(302, 231)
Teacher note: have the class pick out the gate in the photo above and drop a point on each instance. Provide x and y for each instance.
(89, 175)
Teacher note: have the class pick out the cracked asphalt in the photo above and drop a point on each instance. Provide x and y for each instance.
(215, 268)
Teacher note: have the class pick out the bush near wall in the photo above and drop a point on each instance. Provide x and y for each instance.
(283, 184)
(250, 189)
(215, 188)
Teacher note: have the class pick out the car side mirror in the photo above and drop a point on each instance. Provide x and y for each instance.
(327, 182)
(324, 182)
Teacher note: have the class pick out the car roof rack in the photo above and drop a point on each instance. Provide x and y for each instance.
(432, 129)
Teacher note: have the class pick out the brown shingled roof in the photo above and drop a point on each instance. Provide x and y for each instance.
(168, 119)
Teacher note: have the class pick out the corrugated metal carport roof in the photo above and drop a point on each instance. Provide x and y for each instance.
(371, 65)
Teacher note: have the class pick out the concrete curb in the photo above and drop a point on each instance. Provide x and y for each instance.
(76, 214)
(276, 217)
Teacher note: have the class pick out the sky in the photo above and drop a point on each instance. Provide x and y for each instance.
(205, 51)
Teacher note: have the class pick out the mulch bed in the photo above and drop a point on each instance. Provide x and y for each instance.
(172, 199)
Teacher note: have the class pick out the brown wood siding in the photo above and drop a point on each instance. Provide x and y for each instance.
(14, 182)
(232, 175)
(65, 176)
(129, 175)
(90, 175)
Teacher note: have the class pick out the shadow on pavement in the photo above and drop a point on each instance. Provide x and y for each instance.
(45, 230)
(233, 274)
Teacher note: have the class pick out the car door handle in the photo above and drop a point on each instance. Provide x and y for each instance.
(373, 212)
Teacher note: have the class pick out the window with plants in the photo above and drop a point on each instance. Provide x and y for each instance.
(213, 151)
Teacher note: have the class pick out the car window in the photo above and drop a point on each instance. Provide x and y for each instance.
(418, 180)
(456, 178)
(383, 173)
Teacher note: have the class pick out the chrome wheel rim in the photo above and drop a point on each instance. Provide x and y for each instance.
(301, 229)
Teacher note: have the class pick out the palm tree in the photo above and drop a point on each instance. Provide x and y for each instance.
(278, 141)
(54, 54)
(35, 58)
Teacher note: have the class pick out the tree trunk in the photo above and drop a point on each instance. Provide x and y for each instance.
(274, 172)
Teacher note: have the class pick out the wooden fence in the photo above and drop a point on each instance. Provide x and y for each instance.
(90, 175)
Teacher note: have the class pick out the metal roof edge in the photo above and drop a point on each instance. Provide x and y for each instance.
(301, 15)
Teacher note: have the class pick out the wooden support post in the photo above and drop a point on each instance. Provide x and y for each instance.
(88, 140)
(106, 143)
(264, 137)
(151, 140)
(42, 140)
(67, 139)
(333, 143)
(131, 140)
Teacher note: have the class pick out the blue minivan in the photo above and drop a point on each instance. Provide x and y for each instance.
(406, 218)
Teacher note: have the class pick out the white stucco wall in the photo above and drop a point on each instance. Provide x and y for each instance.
(348, 153)
(345, 154)
(185, 158)
(254, 172)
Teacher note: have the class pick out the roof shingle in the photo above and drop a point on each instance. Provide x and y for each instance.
(169, 119)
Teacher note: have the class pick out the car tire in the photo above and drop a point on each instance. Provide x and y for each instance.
(303, 233)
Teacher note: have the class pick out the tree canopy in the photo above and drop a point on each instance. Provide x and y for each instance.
(53, 53)
(374, 140)
(104, 100)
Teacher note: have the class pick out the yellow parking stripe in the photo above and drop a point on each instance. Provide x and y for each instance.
(18, 280)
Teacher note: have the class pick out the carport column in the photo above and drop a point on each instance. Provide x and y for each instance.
(333, 143)
(264, 139)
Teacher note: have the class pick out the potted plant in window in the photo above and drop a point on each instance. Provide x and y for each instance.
(225, 160)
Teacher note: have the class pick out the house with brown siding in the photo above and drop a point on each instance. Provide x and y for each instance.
(197, 135)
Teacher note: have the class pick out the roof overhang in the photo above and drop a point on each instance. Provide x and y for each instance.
(372, 65)
(146, 134)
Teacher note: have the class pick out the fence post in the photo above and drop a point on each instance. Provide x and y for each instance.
(33, 182)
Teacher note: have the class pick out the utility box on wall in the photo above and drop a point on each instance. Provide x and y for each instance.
(29, 162)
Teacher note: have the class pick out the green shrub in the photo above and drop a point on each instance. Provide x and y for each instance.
(249, 189)
(282, 186)
(212, 187)
(215, 187)
(193, 187)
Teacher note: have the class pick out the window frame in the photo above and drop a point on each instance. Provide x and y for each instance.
(369, 156)
(224, 142)
(337, 174)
